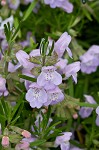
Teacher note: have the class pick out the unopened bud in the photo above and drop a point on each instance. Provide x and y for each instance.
(26, 134)
(75, 116)
(5, 141)
(3, 2)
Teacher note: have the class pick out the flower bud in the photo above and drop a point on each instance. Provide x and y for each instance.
(3, 2)
(26, 134)
(5, 141)
(75, 116)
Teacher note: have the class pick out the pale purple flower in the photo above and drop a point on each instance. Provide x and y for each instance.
(54, 96)
(14, 4)
(62, 44)
(23, 59)
(64, 4)
(49, 78)
(22, 145)
(12, 67)
(90, 60)
(52, 3)
(61, 64)
(71, 70)
(97, 119)
(63, 141)
(28, 1)
(94, 50)
(34, 53)
(36, 96)
(67, 6)
(3, 90)
(86, 111)
(2, 35)
(4, 45)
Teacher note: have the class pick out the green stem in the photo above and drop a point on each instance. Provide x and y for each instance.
(71, 88)
(6, 62)
(86, 84)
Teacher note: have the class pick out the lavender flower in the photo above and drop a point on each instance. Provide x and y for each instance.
(28, 1)
(22, 145)
(71, 70)
(23, 59)
(14, 4)
(90, 60)
(54, 96)
(67, 6)
(12, 67)
(4, 45)
(36, 96)
(86, 111)
(64, 4)
(97, 119)
(49, 78)
(62, 44)
(3, 90)
(63, 140)
(2, 35)
(61, 64)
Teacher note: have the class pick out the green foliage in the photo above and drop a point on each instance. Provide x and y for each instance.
(82, 25)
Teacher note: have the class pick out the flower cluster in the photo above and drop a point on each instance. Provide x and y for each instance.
(64, 4)
(46, 90)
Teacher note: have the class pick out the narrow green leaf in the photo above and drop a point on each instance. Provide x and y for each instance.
(16, 24)
(29, 10)
(16, 107)
(2, 118)
(37, 142)
(16, 31)
(14, 121)
(27, 77)
(51, 50)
